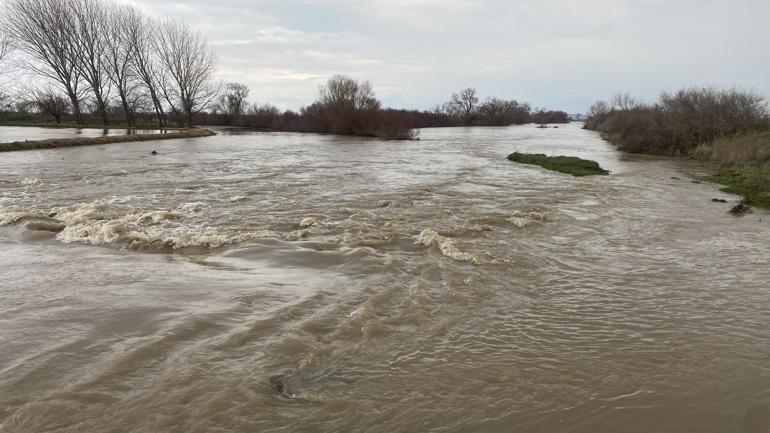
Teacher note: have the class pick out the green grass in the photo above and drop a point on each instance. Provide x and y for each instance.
(563, 164)
(750, 182)
(56, 143)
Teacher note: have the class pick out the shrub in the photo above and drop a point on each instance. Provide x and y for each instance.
(679, 121)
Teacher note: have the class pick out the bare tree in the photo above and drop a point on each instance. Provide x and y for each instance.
(188, 66)
(345, 106)
(118, 54)
(624, 101)
(144, 63)
(233, 101)
(464, 103)
(49, 101)
(89, 18)
(499, 112)
(346, 93)
(43, 29)
(5, 46)
(5, 49)
(5, 101)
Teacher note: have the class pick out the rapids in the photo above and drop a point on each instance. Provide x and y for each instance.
(270, 282)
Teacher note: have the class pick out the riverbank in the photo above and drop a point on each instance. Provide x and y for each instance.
(727, 128)
(752, 183)
(56, 143)
(743, 165)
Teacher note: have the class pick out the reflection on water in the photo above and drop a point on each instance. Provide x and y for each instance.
(283, 282)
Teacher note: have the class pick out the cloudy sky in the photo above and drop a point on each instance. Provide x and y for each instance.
(561, 54)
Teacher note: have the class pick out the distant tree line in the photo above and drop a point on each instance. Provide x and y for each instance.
(680, 121)
(110, 60)
(350, 107)
(100, 61)
(466, 108)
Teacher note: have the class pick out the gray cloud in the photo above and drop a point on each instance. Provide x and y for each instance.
(556, 53)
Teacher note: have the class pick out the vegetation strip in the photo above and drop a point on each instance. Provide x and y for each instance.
(751, 183)
(563, 164)
(56, 143)
(729, 128)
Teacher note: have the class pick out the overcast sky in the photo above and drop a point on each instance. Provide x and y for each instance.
(563, 54)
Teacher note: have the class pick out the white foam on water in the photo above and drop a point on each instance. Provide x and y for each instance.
(30, 181)
(194, 206)
(297, 235)
(430, 237)
(12, 217)
(309, 222)
(524, 219)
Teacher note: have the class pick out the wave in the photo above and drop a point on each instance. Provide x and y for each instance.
(29, 181)
(95, 224)
(523, 219)
(430, 237)
(100, 223)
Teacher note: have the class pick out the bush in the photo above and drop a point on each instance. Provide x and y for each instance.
(679, 122)
(543, 117)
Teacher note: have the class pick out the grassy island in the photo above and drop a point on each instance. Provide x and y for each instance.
(563, 164)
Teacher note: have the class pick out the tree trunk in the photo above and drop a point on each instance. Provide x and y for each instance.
(158, 108)
(129, 116)
(101, 108)
(189, 118)
(75, 107)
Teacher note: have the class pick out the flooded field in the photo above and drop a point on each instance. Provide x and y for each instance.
(9, 134)
(259, 282)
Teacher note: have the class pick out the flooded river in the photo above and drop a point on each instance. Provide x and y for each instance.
(257, 282)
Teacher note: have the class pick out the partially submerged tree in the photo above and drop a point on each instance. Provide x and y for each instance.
(188, 63)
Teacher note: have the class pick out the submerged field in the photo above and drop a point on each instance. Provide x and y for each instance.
(300, 283)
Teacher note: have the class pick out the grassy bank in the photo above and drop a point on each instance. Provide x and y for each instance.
(563, 164)
(744, 165)
(751, 183)
(56, 143)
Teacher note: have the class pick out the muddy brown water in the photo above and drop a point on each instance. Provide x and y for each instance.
(256, 282)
